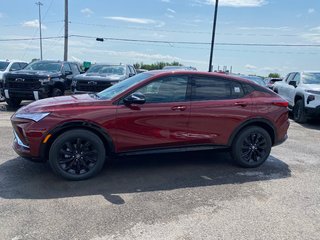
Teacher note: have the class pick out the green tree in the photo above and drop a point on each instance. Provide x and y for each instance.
(156, 65)
(274, 75)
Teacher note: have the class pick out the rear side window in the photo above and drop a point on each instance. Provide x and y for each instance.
(66, 67)
(215, 89)
(75, 68)
(15, 67)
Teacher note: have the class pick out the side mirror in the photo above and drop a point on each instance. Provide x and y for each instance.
(135, 98)
(131, 74)
(293, 83)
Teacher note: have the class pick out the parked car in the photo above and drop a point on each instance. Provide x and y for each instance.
(302, 91)
(101, 76)
(271, 81)
(172, 68)
(39, 79)
(9, 66)
(152, 112)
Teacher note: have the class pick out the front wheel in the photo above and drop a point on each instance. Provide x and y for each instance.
(77, 154)
(13, 102)
(299, 114)
(251, 147)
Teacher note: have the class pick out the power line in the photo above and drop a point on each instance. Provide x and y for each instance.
(168, 42)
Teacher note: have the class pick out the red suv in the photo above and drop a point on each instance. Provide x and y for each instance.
(152, 112)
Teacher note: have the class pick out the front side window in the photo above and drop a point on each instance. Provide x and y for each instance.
(215, 89)
(290, 77)
(168, 89)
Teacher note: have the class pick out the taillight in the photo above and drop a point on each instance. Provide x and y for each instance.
(281, 104)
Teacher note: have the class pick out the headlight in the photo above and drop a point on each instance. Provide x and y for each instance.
(313, 92)
(32, 116)
(45, 81)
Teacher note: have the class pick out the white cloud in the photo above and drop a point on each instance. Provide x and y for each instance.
(235, 3)
(311, 10)
(33, 24)
(87, 11)
(171, 10)
(265, 28)
(250, 67)
(169, 15)
(133, 20)
(313, 35)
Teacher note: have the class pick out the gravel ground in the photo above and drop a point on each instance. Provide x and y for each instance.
(178, 196)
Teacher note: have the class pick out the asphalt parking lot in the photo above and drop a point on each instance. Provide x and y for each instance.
(179, 196)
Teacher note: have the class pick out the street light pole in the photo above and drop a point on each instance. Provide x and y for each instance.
(213, 34)
(66, 24)
(39, 5)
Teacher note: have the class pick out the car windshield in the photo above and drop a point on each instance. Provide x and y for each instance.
(311, 78)
(122, 86)
(44, 66)
(3, 65)
(107, 69)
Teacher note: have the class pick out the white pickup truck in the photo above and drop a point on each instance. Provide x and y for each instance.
(302, 91)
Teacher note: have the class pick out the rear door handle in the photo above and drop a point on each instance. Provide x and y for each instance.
(242, 104)
(179, 108)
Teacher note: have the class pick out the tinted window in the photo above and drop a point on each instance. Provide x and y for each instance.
(3, 65)
(66, 67)
(296, 78)
(169, 89)
(132, 70)
(75, 68)
(23, 65)
(44, 66)
(215, 89)
(15, 67)
(290, 77)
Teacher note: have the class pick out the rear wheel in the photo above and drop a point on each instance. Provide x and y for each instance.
(13, 102)
(77, 155)
(251, 147)
(299, 114)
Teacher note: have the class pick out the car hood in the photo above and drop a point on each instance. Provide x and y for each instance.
(315, 87)
(100, 77)
(34, 73)
(59, 103)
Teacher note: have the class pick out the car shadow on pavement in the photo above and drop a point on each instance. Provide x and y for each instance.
(313, 124)
(21, 179)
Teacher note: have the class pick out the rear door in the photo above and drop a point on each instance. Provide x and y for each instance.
(218, 105)
(160, 122)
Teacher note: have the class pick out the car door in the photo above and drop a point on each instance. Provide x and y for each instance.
(162, 121)
(286, 88)
(218, 106)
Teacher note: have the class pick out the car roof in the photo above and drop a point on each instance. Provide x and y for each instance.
(199, 73)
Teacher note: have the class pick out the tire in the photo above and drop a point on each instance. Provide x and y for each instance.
(77, 155)
(13, 102)
(299, 114)
(56, 92)
(251, 147)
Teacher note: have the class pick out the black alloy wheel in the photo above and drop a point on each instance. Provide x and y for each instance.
(251, 147)
(77, 155)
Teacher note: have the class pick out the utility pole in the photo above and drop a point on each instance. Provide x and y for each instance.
(66, 23)
(39, 5)
(213, 34)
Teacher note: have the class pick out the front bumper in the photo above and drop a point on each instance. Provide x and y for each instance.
(26, 94)
(313, 112)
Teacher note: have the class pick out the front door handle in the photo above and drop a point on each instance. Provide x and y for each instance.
(242, 104)
(179, 108)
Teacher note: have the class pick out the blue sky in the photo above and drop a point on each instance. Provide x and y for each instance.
(239, 21)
